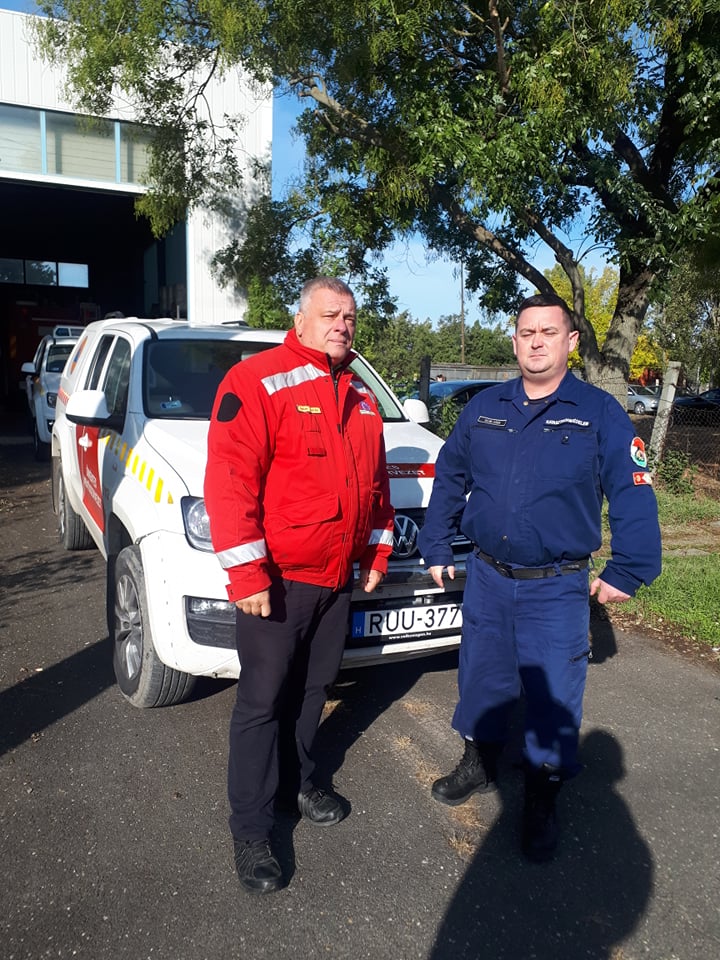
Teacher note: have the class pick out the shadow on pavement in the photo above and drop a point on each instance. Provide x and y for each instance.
(43, 698)
(579, 906)
(363, 695)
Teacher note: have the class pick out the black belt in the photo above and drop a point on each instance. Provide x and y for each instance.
(531, 573)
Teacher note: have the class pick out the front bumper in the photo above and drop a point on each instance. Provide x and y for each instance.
(193, 622)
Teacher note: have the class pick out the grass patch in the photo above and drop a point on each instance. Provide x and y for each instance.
(685, 508)
(686, 593)
(685, 599)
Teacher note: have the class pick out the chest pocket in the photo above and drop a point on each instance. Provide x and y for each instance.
(312, 434)
(491, 443)
(567, 452)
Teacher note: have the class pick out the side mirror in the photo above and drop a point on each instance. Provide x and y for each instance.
(88, 408)
(416, 411)
(28, 368)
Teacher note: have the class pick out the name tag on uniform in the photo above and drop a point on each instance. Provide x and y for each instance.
(490, 422)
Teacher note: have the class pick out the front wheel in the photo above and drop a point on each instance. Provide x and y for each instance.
(143, 678)
(639, 407)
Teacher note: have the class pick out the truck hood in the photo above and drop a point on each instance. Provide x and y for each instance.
(411, 454)
(183, 445)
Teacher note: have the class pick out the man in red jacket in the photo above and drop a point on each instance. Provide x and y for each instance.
(296, 490)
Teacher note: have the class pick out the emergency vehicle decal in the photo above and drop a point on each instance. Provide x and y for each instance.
(77, 353)
(642, 479)
(406, 471)
(63, 396)
(637, 452)
(138, 468)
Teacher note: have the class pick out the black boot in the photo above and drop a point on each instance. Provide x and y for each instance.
(476, 773)
(540, 831)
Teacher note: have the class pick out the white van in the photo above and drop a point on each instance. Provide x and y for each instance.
(128, 463)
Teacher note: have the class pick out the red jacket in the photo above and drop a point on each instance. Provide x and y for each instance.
(296, 481)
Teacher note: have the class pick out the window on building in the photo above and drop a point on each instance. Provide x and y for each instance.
(12, 271)
(68, 145)
(20, 141)
(79, 148)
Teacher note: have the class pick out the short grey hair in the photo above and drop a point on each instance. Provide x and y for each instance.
(324, 283)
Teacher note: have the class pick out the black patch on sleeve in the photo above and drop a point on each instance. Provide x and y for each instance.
(229, 407)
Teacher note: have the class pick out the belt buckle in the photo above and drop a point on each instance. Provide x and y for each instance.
(504, 568)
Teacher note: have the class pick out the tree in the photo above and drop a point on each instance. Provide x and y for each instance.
(492, 128)
(686, 321)
(397, 354)
(600, 301)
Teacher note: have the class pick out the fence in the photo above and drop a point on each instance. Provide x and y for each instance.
(694, 436)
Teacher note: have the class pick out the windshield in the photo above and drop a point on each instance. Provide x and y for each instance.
(57, 355)
(389, 408)
(182, 377)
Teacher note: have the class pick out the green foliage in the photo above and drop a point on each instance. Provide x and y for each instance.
(687, 593)
(675, 472)
(684, 508)
(443, 417)
(490, 128)
(686, 316)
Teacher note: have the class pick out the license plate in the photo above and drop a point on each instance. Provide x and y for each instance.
(407, 620)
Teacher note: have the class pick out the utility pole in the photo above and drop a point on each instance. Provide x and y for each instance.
(462, 312)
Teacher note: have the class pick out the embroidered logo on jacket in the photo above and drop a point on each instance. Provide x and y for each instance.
(642, 479)
(305, 408)
(637, 452)
(567, 420)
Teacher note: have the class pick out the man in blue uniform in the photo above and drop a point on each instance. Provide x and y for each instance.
(536, 456)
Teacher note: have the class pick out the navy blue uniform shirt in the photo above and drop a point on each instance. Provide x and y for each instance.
(536, 473)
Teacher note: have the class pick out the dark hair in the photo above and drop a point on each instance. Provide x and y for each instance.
(324, 283)
(546, 300)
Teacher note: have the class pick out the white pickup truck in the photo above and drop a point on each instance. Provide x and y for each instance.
(128, 462)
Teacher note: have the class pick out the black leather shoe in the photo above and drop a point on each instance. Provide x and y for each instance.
(321, 808)
(476, 773)
(257, 867)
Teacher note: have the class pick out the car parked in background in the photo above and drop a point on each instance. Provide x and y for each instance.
(699, 409)
(128, 462)
(641, 399)
(456, 391)
(42, 380)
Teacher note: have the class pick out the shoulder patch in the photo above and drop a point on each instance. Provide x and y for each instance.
(229, 407)
(638, 454)
(642, 479)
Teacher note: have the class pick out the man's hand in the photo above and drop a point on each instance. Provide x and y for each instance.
(606, 593)
(369, 579)
(257, 605)
(437, 574)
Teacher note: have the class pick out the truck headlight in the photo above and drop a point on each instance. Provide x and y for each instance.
(197, 523)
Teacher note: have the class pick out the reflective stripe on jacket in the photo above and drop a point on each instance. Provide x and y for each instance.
(296, 480)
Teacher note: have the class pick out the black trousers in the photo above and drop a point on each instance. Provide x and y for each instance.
(287, 663)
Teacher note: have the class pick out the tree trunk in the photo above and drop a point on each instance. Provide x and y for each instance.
(610, 368)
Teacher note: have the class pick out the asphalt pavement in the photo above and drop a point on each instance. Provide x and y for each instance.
(113, 821)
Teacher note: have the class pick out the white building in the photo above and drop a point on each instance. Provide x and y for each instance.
(71, 247)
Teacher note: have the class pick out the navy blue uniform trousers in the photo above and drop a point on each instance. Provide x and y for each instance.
(528, 636)
(287, 663)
